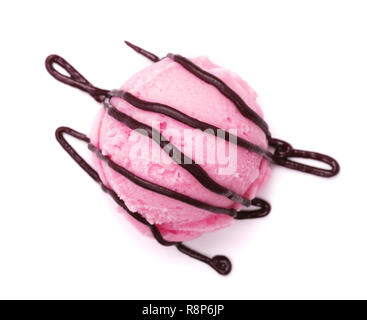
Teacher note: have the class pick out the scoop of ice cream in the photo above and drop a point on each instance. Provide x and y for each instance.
(235, 168)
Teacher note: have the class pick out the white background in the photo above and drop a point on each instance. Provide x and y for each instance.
(61, 237)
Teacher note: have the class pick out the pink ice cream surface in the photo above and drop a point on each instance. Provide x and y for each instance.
(169, 83)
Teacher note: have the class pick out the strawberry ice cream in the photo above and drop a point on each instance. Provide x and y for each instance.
(182, 148)
(169, 83)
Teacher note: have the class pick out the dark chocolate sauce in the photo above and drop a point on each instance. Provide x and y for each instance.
(75, 79)
(282, 150)
(143, 52)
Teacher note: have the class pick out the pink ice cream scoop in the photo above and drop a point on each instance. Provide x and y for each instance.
(183, 149)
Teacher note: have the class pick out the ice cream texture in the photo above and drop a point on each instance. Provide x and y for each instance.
(169, 83)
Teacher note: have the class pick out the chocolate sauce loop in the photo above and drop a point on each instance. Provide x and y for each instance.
(219, 263)
(263, 211)
(283, 151)
(75, 79)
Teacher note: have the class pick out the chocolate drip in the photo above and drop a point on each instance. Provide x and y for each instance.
(219, 263)
(145, 53)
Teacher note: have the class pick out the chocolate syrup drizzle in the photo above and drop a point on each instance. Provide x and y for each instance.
(282, 150)
(220, 263)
